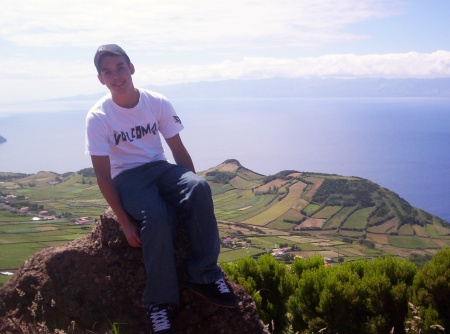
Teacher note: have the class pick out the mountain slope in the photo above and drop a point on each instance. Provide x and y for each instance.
(322, 205)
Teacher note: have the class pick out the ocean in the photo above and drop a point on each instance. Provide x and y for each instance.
(403, 144)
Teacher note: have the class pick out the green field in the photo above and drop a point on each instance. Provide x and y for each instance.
(233, 255)
(20, 240)
(413, 243)
(327, 212)
(358, 220)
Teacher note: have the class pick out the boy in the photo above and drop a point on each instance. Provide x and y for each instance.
(144, 190)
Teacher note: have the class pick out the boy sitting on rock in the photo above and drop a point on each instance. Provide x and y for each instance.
(123, 139)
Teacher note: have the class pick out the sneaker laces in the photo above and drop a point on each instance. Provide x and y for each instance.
(221, 285)
(160, 320)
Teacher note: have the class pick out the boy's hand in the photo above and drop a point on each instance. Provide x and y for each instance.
(131, 232)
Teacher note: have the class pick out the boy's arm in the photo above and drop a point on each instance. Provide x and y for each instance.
(180, 153)
(102, 168)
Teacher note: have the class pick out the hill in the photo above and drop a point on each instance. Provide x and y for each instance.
(333, 209)
(288, 214)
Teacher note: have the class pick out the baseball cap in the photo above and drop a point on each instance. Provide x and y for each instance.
(108, 48)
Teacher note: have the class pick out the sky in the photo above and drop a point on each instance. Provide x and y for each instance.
(47, 46)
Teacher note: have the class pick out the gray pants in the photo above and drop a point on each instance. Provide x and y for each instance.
(151, 194)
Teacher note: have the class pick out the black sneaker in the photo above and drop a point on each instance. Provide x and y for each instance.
(160, 316)
(217, 293)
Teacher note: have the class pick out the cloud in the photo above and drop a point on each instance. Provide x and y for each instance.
(47, 46)
(53, 79)
(179, 25)
(401, 65)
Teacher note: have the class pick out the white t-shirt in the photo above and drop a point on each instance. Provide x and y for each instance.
(130, 137)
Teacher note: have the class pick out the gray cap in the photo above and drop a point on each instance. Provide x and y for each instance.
(108, 48)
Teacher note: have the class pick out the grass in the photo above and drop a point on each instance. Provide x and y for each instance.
(432, 231)
(260, 204)
(327, 211)
(272, 213)
(280, 225)
(13, 255)
(406, 230)
(409, 242)
(309, 247)
(233, 255)
(19, 241)
(358, 219)
(440, 230)
(240, 183)
(311, 208)
(351, 233)
(4, 279)
(383, 228)
(336, 220)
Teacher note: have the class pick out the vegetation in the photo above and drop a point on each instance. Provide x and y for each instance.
(283, 175)
(5, 177)
(431, 289)
(356, 297)
(220, 177)
(87, 172)
(346, 192)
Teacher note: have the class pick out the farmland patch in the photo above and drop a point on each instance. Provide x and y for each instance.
(358, 220)
(385, 227)
(272, 212)
(411, 242)
(406, 229)
(317, 182)
(419, 231)
(311, 223)
(237, 254)
(382, 239)
(327, 212)
(280, 225)
(274, 184)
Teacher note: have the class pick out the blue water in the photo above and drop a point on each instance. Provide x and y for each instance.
(401, 144)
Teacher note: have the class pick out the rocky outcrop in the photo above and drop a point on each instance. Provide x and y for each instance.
(95, 283)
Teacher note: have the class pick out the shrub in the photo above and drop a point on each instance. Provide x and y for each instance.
(270, 284)
(432, 290)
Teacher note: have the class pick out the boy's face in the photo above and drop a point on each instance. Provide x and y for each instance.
(116, 74)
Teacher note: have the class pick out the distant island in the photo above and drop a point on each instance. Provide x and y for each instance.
(278, 87)
(309, 88)
(2, 140)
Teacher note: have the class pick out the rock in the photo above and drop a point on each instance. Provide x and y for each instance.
(94, 283)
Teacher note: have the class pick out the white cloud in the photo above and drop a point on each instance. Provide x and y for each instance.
(402, 65)
(47, 46)
(186, 25)
(52, 79)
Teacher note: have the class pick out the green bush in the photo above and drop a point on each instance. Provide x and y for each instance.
(269, 283)
(432, 291)
(355, 297)
(362, 297)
